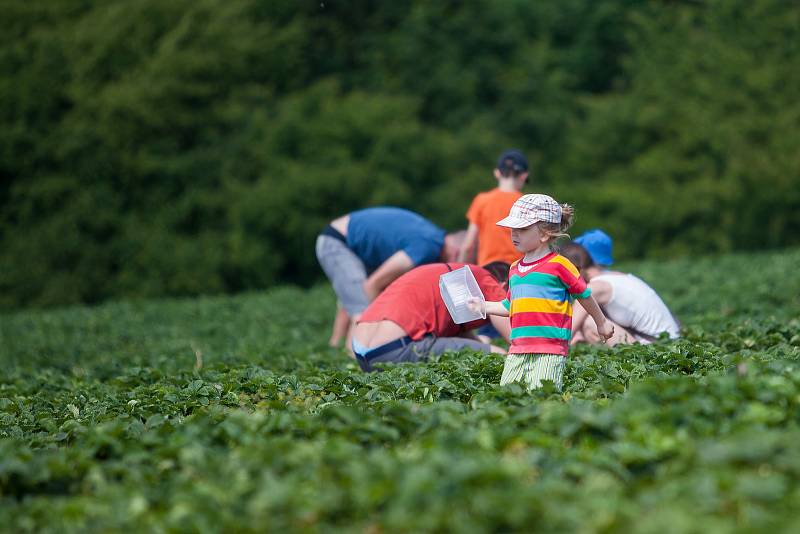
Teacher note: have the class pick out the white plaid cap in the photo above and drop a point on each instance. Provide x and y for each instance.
(530, 209)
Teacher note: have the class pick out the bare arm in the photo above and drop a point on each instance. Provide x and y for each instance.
(604, 329)
(601, 291)
(341, 322)
(465, 254)
(579, 316)
(502, 325)
(496, 308)
(487, 308)
(384, 275)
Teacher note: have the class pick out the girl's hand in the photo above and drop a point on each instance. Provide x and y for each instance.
(605, 330)
(476, 306)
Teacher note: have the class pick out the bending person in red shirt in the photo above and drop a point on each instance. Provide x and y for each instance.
(409, 321)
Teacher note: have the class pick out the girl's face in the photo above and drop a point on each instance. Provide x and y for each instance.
(529, 238)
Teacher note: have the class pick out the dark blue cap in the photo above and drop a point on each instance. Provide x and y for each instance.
(512, 160)
(598, 244)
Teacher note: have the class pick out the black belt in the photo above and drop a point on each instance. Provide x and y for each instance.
(383, 349)
(330, 231)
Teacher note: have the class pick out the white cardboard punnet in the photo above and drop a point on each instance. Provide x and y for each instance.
(457, 287)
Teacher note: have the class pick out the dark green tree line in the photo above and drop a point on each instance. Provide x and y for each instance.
(151, 148)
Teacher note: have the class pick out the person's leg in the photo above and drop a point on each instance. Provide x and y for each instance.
(621, 335)
(341, 325)
(421, 350)
(513, 369)
(577, 337)
(531, 369)
(350, 327)
(405, 354)
(347, 274)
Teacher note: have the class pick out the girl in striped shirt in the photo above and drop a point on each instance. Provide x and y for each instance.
(542, 288)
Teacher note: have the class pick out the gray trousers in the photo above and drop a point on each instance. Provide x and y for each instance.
(417, 351)
(346, 272)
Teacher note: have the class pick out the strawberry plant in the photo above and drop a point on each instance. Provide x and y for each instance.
(232, 414)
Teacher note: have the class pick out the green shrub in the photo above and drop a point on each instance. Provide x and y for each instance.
(151, 148)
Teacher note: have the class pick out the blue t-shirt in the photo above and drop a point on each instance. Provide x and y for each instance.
(375, 234)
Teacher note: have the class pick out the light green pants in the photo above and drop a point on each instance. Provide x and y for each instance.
(531, 369)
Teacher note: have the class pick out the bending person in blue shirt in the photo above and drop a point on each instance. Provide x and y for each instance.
(364, 251)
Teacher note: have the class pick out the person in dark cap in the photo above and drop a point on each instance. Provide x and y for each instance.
(494, 242)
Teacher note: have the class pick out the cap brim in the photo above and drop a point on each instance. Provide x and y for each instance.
(515, 222)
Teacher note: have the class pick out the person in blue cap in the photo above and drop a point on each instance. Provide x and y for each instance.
(598, 244)
(634, 308)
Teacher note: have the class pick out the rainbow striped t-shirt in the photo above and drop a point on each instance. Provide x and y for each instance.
(539, 299)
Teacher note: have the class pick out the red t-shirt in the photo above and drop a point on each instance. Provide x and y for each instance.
(413, 302)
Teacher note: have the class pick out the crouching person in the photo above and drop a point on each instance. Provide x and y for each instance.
(633, 307)
(409, 322)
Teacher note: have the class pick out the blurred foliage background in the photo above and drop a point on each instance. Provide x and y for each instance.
(177, 148)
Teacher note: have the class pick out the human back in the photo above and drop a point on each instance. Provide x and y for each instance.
(414, 302)
(362, 252)
(488, 207)
(375, 234)
(635, 305)
(494, 242)
(409, 321)
(629, 302)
